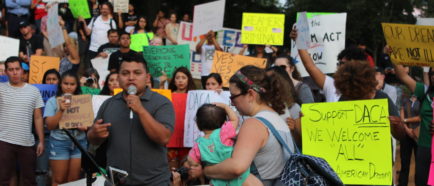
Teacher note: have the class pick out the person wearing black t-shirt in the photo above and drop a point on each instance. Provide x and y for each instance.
(112, 46)
(117, 57)
(30, 44)
(128, 20)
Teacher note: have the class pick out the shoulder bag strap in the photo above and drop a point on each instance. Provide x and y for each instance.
(275, 133)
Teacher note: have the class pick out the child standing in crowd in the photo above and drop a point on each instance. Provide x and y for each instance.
(217, 144)
(65, 157)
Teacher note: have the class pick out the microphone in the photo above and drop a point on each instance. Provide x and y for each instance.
(132, 90)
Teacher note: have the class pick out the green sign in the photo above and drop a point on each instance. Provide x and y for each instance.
(166, 58)
(79, 8)
(138, 41)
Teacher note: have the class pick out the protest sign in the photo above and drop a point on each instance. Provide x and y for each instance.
(411, 45)
(263, 29)
(9, 47)
(327, 39)
(425, 21)
(55, 1)
(195, 99)
(303, 34)
(138, 41)
(56, 34)
(120, 5)
(177, 139)
(39, 65)
(101, 65)
(97, 101)
(117, 91)
(80, 113)
(79, 8)
(166, 58)
(164, 92)
(4, 79)
(208, 16)
(353, 137)
(47, 91)
(227, 64)
(228, 39)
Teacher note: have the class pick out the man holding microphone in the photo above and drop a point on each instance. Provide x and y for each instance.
(137, 125)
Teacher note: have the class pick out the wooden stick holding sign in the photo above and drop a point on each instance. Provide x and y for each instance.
(80, 114)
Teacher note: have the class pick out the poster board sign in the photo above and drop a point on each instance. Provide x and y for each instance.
(138, 41)
(101, 66)
(47, 91)
(4, 79)
(120, 5)
(80, 113)
(425, 21)
(55, 1)
(9, 47)
(117, 91)
(303, 33)
(227, 64)
(164, 92)
(353, 137)
(263, 29)
(327, 39)
(195, 99)
(411, 45)
(79, 8)
(166, 58)
(179, 102)
(97, 101)
(56, 34)
(39, 65)
(208, 16)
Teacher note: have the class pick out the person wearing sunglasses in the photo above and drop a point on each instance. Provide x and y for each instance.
(255, 94)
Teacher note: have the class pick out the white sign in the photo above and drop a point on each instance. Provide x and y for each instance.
(120, 5)
(8, 47)
(303, 34)
(97, 101)
(229, 39)
(55, 36)
(195, 99)
(327, 38)
(55, 1)
(425, 21)
(208, 16)
(101, 66)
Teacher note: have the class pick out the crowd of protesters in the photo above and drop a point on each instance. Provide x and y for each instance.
(132, 129)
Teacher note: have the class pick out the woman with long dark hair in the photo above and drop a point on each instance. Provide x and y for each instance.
(182, 81)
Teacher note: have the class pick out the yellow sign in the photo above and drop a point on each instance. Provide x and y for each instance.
(80, 113)
(39, 65)
(165, 92)
(117, 90)
(353, 137)
(226, 64)
(411, 44)
(262, 29)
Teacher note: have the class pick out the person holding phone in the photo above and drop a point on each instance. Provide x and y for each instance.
(65, 157)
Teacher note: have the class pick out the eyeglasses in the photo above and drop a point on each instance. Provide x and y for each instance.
(232, 97)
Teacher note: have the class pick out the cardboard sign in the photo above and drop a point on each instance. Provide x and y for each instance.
(195, 99)
(164, 92)
(47, 91)
(9, 47)
(4, 79)
(166, 58)
(101, 66)
(97, 101)
(79, 114)
(56, 34)
(263, 29)
(327, 39)
(353, 137)
(39, 65)
(177, 139)
(227, 64)
(79, 8)
(411, 45)
(138, 41)
(208, 16)
(120, 5)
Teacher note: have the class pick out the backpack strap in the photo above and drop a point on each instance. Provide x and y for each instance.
(277, 135)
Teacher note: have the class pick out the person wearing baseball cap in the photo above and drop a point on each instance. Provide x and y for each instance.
(30, 43)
